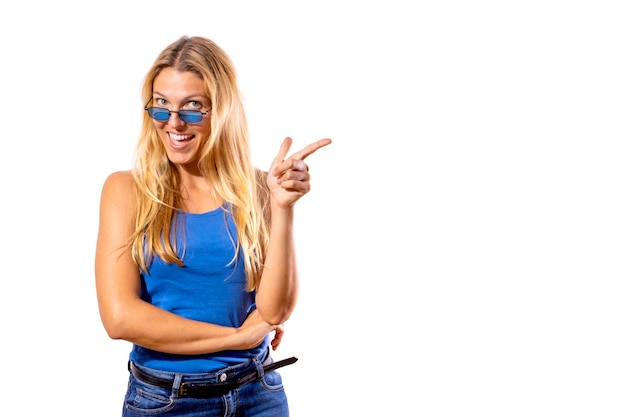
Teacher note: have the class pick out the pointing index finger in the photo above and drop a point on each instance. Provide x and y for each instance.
(309, 149)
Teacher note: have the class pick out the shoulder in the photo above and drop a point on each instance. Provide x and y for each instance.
(119, 188)
(119, 177)
(260, 177)
(119, 181)
(263, 193)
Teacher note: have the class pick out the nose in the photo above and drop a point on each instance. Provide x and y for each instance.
(174, 120)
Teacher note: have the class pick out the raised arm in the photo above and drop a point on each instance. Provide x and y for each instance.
(288, 180)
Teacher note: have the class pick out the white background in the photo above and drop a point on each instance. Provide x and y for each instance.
(462, 249)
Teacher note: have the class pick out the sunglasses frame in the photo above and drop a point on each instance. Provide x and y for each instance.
(183, 115)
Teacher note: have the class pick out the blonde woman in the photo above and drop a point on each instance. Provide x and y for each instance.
(195, 261)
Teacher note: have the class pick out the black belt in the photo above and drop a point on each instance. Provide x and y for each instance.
(204, 389)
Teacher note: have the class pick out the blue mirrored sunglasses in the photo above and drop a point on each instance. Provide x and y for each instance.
(187, 116)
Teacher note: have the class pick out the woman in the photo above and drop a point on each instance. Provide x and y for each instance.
(195, 259)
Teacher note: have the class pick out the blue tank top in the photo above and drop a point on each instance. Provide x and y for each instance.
(210, 287)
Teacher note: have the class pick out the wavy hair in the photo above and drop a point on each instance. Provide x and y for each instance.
(225, 163)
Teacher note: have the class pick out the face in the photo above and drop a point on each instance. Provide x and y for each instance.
(174, 90)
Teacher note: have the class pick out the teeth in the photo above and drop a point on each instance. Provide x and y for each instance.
(177, 137)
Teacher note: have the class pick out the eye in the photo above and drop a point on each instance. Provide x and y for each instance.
(161, 101)
(194, 104)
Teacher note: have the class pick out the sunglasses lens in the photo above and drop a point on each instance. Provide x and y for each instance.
(190, 116)
(163, 115)
(158, 114)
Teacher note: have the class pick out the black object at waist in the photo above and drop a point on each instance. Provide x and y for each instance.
(208, 390)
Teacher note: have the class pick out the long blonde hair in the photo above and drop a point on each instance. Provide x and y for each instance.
(225, 162)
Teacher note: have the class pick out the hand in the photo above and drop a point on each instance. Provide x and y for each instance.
(254, 329)
(288, 178)
(278, 336)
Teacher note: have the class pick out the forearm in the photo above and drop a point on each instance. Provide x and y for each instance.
(151, 327)
(278, 291)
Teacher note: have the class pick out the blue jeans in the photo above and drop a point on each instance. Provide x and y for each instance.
(263, 398)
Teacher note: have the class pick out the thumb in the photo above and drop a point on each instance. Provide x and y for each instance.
(282, 153)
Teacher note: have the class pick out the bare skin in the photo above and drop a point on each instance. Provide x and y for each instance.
(124, 314)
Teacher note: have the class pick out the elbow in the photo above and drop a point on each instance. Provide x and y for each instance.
(114, 332)
(274, 315)
(277, 319)
(115, 324)
(276, 309)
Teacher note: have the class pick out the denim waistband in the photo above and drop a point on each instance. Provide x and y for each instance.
(210, 384)
(219, 375)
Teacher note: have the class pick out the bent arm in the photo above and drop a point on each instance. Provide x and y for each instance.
(287, 180)
(125, 315)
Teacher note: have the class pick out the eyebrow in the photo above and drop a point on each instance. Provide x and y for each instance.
(185, 99)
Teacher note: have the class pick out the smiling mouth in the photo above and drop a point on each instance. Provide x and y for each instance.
(180, 138)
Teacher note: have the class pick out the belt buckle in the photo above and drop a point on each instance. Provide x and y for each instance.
(201, 390)
(182, 390)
